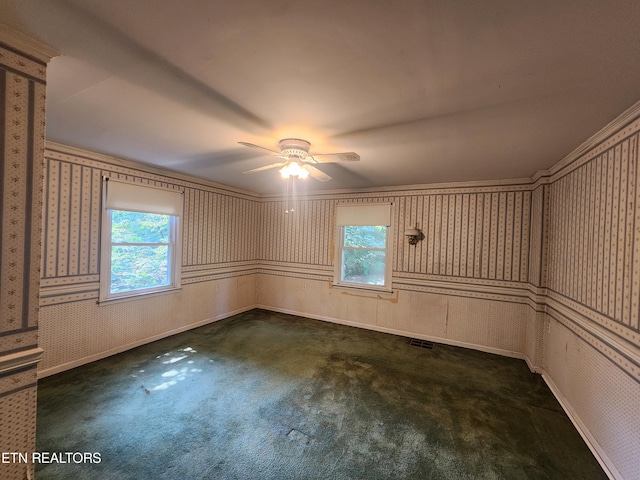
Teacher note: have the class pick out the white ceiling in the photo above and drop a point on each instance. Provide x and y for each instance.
(426, 91)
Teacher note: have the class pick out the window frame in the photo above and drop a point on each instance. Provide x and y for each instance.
(106, 245)
(340, 248)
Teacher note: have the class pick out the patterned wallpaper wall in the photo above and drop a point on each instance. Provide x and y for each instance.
(219, 227)
(302, 237)
(538, 257)
(594, 250)
(22, 93)
(71, 220)
(478, 235)
(22, 116)
(217, 224)
(470, 234)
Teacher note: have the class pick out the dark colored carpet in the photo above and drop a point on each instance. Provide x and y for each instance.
(270, 396)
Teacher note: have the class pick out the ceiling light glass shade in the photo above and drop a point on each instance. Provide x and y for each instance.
(293, 169)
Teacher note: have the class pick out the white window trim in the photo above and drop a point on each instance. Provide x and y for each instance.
(105, 256)
(339, 242)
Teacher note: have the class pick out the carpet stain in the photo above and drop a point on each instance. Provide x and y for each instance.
(298, 437)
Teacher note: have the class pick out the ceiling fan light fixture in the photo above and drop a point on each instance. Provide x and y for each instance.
(294, 147)
(293, 169)
(297, 161)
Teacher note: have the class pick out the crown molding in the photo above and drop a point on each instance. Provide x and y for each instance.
(541, 177)
(27, 45)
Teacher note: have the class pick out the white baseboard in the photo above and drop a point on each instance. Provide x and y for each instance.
(533, 368)
(402, 333)
(602, 458)
(122, 348)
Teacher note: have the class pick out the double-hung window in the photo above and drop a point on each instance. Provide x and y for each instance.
(363, 253)
(140, 240)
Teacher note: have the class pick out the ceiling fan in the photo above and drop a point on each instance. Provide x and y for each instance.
(297, 161)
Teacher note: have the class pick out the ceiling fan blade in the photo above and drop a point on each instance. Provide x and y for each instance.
(251, 145)
(266, 167)
(334, 157)
(317, 174)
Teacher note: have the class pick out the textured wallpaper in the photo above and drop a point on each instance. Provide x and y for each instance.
(474, 236)
(216, 229)
(594, 251)
(219, 228)
(469, 235)
(22, 116)
(22, 93)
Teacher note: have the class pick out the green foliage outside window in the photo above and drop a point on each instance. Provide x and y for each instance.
(139, 227)
(364, 255)
(140, 250)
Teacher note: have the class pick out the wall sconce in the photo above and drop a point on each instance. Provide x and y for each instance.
(413, 235)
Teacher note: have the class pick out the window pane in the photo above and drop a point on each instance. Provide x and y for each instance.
(363, 266)
(366, 237)
(136, 267)
(139, 227)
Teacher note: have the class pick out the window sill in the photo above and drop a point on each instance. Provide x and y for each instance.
(370, 289)
(138, 296)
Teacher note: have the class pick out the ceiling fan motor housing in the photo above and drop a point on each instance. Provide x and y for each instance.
(294, 147)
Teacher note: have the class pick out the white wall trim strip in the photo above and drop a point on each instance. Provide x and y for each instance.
(15, 361)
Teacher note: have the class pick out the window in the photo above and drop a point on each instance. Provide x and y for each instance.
(139, 240)
(363, 246)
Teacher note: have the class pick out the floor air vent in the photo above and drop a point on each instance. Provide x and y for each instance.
(416, 342)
